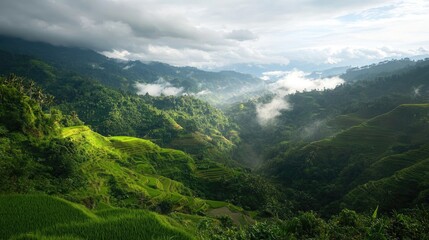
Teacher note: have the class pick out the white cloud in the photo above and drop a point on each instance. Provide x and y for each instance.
(123, 55)
(267, 112)
(355, 56)
(203, 92)
(287, 83)
(241, 35)
(158, 88)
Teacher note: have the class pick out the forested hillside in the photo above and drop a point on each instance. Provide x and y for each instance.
(215, 87)
(205, 131)
(315, 115)
(343, 163)
(360, 145)
(47, 152)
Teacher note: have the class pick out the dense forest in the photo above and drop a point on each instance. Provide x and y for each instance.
(84, 156)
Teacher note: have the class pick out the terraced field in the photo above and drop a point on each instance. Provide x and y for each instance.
(45, 217)
(125, 170)
(214, 173)
(25, 213)
(167, 162)
(388, 165)
(404, 188)
(398, 170)
(366, 165)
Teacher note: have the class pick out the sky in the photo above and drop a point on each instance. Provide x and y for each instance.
(216, 34)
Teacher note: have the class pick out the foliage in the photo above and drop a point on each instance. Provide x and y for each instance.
(216, 87)
(184, 123)
(34, 158)
(345, 225)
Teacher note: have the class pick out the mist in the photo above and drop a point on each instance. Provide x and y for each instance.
(160, 87)
(285, 83)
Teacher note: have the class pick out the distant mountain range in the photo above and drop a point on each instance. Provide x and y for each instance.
(154, 77)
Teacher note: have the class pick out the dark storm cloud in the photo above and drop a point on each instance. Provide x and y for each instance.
(147, 30)
(97, 24)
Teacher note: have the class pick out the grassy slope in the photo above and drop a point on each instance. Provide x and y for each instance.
(142, 172)
(46, 217)
(24, 213)
(121, 171)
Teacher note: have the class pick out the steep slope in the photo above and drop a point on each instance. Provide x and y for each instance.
(134, 172)
(39, 154)
(326, 170)
(315, 115)
(168, 121)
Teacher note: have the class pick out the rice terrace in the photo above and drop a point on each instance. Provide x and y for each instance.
(214, 120)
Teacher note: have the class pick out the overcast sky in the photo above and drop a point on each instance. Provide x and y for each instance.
(222, 32)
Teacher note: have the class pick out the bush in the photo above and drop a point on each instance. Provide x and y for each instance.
(307, 225)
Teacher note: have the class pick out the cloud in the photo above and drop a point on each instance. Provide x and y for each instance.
(123, 55)
(267, 112)
(241, 35)
(158, 88)
(216, 33)
(356, 56)
(203, 92)
(284, 84)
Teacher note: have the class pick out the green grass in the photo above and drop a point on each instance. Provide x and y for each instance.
(46, 217)
(166, 162)
(131, 224)
(216, 204)
(24, 213)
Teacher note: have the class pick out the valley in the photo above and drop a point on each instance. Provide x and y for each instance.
(85, 154)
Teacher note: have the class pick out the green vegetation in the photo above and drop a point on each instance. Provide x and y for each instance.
(333, 167)
(25, 213)
(215, 87)
(345, 225)
(44, 217)
(83, 157)
(83, 166)
(183, 123)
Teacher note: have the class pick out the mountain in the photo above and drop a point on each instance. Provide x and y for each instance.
(182, 122)
(381, 69)
(365, 165)
(83, 156)
(258, 70)
(358, 146)
(216, 87)
(53, 153)
(315, 115)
